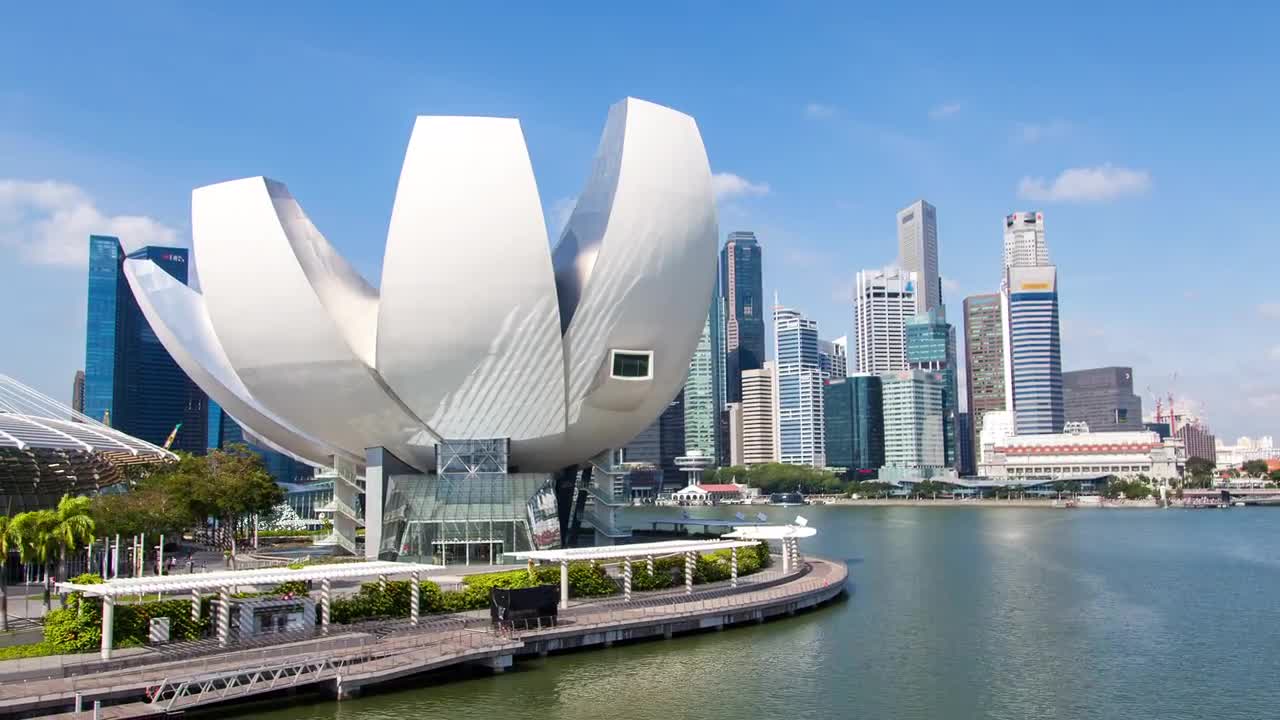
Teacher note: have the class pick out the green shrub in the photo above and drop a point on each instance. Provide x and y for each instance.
(77, 627)
(17, 652)
(297, 587)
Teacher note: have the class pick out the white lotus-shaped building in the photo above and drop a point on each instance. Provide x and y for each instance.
(478, 328)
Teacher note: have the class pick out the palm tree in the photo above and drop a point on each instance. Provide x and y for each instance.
(34, 534)
(6, 544)
(74, 526)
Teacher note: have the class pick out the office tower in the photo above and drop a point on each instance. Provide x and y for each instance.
(718, 368)
(1024, 244)
(799, 398)
(913, 436)
(77, 392)
(1033, 354)
(853, 413)
(984, 361)
(931, 346)
(884, 300)
(223, 431)
(1159, 428)
(742, 278)
(758, 435)
(130, 380)
(1199, 442)
(734, 434)
(701, 410)
(918, 253)
(966, 465)
(833, 358)
(1103, 398)
(661, 443)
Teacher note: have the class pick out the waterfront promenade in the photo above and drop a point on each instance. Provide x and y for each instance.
(350, 659)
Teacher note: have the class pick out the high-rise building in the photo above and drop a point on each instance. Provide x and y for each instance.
(661, 443)
(1033, 355)
(918, 252)
(77, 392)
(966, 463)
(884, 300)
(223, 430)
(1024, 244)
(833, 357)
(130, 380)
(701, 408)
(984, 361)
(853, 412)
(913, 435)
(1199, 442)
(733, 427)
(718, 360)
(758, 436)
(742, 278)
(1103, 398)
(931, 346)
(799, 399)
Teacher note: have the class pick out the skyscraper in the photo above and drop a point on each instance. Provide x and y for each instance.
(984, 360)
(931, 345)
(853, 412)
(717, 358)
(833, 358)
(1024, 244)
(966, 465)
(1033, 361)
(800, 381)
(1103, 398)
(661, 443)
(913, 436)
(742, 278)
(130, 381)
(1199, 442)
(918, 251)
(701, 409)
(758, 436)
(884, 300)
(77, 392)
(223, 430)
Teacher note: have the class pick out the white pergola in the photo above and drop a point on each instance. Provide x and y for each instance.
(223, 582)
(788, 535)
(689, 548)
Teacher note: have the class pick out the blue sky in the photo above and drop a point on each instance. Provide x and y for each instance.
(1146, 134)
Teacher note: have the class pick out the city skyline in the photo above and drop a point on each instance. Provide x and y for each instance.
(1093, 151)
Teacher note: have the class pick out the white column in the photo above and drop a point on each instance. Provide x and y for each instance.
(564, 584)
(195, 605)
(733, 568)
(382, 583)
(115, 558)
(324, 606)
(626, 579)
(224, 616)
(160, 554)
(688, 573)
(108, 626)
(786, 556)
(649, 561)
(414, 598)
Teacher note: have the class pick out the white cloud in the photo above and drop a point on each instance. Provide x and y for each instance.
(558, 216)
(1270, 310)
(818, 111)
(945, 110)
(727, 185)
(49, 222)
(1096, 184)
(1030, 133)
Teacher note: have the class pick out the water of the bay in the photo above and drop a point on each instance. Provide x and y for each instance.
(952, 613)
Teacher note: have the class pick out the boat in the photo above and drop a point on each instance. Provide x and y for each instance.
(791, 499)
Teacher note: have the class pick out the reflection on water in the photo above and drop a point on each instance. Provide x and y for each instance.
(954, 613)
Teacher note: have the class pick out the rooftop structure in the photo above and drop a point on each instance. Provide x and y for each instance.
(47, 450)
(1084, 454)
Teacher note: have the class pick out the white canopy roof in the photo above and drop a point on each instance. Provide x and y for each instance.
(264, 576)
(772, 532)
(666, 547)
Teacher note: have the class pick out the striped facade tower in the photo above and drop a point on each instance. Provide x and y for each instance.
(1034, 350)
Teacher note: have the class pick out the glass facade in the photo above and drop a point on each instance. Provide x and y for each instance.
(854, 424)
(799, 403)
(131, 381)
(700, 409)
(223, 430)
(471, 511)
(931, 345)
(984, 359)
(1035, 351)
(742, 278)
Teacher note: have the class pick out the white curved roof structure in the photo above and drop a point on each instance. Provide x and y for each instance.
(47, 449)
(478, 330)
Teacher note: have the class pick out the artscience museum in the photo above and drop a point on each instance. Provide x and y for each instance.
(464, 401)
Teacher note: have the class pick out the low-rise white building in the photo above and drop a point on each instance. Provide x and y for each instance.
(1083, 454)
(1244, 450)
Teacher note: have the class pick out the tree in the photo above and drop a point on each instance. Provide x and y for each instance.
(230, 485)
(1275, 476)
(1255, 468)
(6, 545)
(73, 526)
(36, 536)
